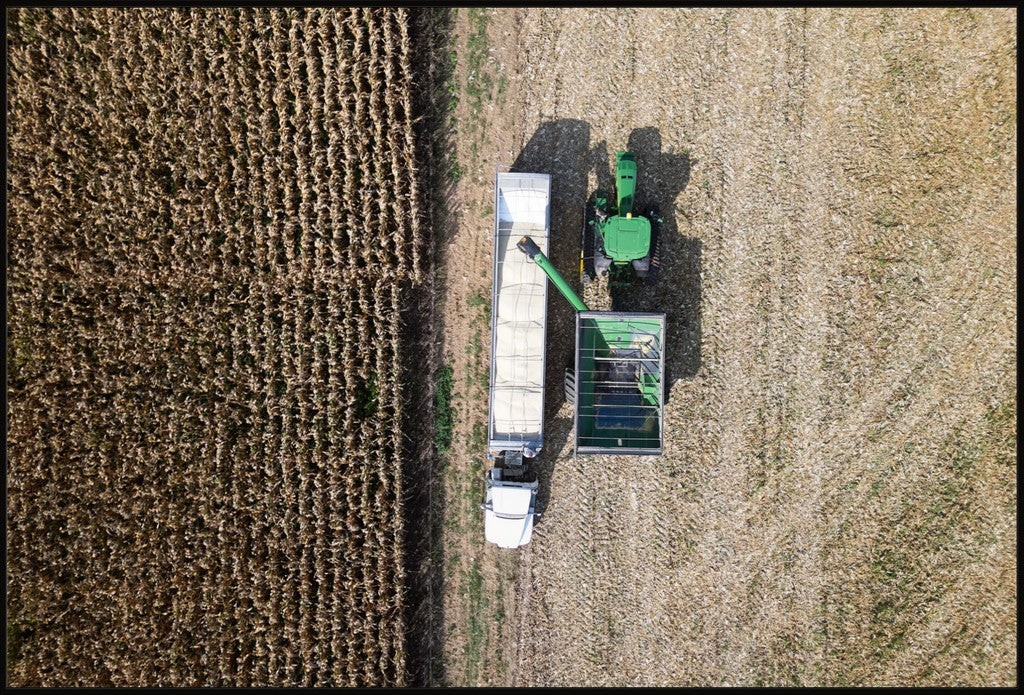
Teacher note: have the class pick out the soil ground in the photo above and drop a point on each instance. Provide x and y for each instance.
(836, 502)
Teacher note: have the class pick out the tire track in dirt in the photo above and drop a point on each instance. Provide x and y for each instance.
(762, 488)
(816, 254)
(782, 470)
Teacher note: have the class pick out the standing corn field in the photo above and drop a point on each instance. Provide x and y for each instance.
(214, 219)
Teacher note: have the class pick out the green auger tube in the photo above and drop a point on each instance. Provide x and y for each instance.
(530, 248)
(625, 182)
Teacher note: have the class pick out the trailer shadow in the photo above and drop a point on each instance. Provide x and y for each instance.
(560, 148)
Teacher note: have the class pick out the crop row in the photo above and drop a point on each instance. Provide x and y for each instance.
(214, 222)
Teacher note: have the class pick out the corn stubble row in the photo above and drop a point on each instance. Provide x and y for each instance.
(213, 225)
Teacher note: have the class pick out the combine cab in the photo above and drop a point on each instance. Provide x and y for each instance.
(618, 243)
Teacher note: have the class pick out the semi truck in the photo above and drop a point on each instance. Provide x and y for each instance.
(515, 416)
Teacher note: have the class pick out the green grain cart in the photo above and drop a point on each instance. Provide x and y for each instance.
(617, 380)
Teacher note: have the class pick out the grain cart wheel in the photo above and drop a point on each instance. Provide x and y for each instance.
(587, 247)
(570, 385)
(651, 277)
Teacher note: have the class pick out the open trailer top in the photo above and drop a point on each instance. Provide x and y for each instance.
(518, 316)
(619, 390)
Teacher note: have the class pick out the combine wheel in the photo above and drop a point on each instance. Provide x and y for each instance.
(587, 273)
(651, 277)
(570, 385)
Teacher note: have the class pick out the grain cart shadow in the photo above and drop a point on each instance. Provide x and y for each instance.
(559, 148)
(661, 178)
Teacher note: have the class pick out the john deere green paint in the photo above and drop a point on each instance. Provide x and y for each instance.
(616, 382)
(616, 241)
(619, 398)
(533, 252)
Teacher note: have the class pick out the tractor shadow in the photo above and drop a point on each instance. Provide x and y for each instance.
(560, 148)
(661, 179)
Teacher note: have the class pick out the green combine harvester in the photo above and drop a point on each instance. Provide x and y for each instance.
(617, 381)
(616, 243)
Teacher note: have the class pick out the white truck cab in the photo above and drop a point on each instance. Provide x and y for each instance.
(509, 510)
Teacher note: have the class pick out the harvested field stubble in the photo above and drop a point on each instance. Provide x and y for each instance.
(213, 221)
(836, 502)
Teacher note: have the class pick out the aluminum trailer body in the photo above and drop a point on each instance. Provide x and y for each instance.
(518, 315)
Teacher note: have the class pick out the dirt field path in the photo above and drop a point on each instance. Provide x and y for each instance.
(836, 500)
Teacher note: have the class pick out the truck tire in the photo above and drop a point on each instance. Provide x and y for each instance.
(651, 276)
(587, 273)
(570, 385)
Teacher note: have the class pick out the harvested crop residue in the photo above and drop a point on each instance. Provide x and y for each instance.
(836, 504)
